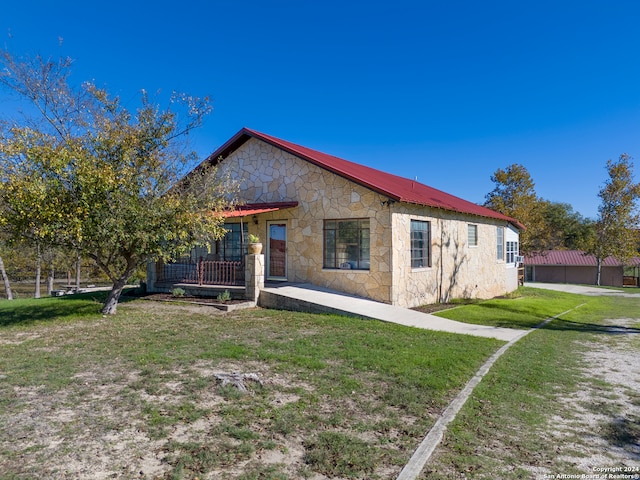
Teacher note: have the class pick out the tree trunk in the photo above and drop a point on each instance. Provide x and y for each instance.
(111, 305)
(78, 272)
(38, 270)
(50, 277)
(5, 278)
(598, 270)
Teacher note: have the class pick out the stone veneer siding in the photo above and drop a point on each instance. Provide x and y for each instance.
(264, 173)
(457, 270)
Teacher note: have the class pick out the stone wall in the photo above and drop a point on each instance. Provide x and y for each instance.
(264, 173)
(457, 269)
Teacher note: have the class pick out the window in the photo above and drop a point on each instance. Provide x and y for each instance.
(512, 251)
(473, 235)
(420, 244)
(346, 244)
(233, 246)
(500, 243)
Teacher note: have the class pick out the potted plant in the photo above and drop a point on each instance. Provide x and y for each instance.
(255, 246)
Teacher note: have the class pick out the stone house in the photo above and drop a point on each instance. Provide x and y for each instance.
(351, 228)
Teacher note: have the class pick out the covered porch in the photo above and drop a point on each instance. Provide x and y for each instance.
(208, 271)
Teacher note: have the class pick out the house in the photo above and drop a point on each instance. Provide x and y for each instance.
(351, 228)
(574, 266)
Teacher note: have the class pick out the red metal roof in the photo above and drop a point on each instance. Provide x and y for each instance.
(256, 208)
(573, 258)
(396, 188)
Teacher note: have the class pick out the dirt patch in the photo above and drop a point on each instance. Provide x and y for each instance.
(603, 428)
(191, 299)
(91, 442)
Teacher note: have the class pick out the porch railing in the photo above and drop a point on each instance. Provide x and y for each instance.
(201, 272)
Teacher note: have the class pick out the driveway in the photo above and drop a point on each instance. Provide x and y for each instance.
(583, 289)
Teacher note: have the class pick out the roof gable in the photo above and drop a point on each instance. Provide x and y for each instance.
(395, 187)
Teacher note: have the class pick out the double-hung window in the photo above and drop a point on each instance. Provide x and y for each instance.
(500, 243)
(512, 251)
(346, 244)
(420, 244)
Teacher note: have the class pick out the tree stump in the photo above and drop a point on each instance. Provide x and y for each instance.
(237, 379)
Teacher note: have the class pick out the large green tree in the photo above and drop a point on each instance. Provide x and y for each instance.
(616, 228)
(564, 229)
(80, 170)
(514, 195)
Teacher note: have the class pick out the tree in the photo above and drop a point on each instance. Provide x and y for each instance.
(514, 195)
(564, 228)
(87, 174)
(617, 223)
(5, 280)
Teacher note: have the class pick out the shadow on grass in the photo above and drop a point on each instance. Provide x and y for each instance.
(559, 324)
(30, 311)
(623, 433)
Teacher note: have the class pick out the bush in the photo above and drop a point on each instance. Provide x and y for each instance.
(224, 296)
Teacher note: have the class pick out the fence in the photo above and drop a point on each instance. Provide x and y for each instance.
(201, 272)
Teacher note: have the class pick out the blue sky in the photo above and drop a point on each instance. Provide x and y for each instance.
(445, 91)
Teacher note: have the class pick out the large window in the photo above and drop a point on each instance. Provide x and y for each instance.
(512, 251)
(346, 244)
(233, 246)
(473, 235)
(500, 243)
(420, 244)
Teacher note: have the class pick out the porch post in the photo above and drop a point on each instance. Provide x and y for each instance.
(253, 276)
(152, 275)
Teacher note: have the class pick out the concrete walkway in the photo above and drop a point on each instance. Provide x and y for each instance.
(307, 295)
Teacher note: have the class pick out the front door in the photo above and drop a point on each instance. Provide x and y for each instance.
(277, 251)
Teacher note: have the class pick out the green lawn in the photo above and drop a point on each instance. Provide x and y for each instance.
(522, 420)
(134, 396)
(526, 309)
(341, 396)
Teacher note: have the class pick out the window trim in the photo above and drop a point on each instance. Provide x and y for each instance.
(473, 226)
(500, 250)
(425, 248)
(512, 251)
(361, 248)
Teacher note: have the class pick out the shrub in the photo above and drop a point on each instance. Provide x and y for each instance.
(224, 296)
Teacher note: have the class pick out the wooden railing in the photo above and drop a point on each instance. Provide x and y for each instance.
(201, 272)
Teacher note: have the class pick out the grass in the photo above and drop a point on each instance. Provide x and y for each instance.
(341, 398)
(526, 309)
(334, 388)
(505, 429)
